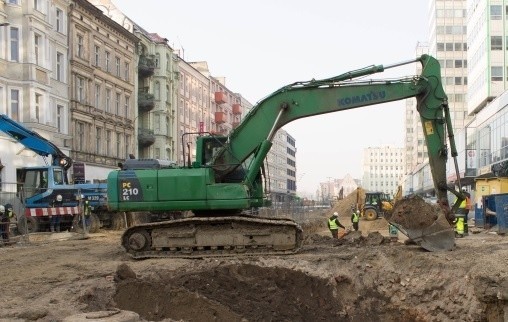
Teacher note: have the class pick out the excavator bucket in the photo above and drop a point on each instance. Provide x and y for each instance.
(423, 223)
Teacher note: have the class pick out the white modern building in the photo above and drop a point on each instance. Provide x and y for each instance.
(383, 168)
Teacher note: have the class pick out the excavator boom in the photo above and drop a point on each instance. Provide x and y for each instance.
(226, 177)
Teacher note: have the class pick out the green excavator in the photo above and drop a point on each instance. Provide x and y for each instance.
(226, 180)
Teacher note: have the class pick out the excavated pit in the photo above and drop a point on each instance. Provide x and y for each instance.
(246, 292)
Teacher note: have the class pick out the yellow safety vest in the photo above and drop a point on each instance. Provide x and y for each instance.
(355, 217)
(462, 204)
(460, 225)
(333, 224)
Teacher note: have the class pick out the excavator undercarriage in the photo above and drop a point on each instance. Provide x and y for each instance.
(199, 237)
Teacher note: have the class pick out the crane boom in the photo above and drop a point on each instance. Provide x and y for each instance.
(34, 141)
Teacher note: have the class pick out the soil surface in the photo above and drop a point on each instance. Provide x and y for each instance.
(364, 276)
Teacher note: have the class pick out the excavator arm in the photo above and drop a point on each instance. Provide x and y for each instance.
(251, 140)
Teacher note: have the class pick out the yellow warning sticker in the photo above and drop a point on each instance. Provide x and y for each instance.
(429, 129)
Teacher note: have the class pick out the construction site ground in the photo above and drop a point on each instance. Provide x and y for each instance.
(361, 277)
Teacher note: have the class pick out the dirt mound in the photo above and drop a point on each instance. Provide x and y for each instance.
(414, 213)
(354, 199)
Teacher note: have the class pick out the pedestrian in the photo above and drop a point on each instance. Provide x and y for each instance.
(459, 227)
(87, 211)
(463, 211)
(334, 224)
(4, 224)
(54, 220)
(355, 218)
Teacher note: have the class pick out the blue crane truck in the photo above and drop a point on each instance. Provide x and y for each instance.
(45, 191)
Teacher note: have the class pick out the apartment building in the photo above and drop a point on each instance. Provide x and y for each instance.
(447, 43)
(34, 77)
(383, 168)
(487, 38)
(194, 107)
(485, 149)
(157, 97)
(280, 165)
(102, 90)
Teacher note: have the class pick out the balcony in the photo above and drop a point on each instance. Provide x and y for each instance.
(146, 65)
(220, 117)
(237, 109)
(145, 137)
(221, 98)
(146, 101)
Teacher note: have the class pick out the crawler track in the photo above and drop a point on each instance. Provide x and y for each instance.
(199, 237)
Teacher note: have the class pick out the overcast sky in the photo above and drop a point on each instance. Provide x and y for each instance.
(260, 46)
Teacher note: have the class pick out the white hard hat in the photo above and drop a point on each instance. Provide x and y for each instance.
(2, 208)
(335, 213)
(463, 188)
(59, 198)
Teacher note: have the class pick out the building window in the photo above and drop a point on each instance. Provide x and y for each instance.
(59, 118)
(157, 90)
(127, 99)
(80, 46)
(107, 61)
(37, 109)
(80, 136)
(127, 145)
(108, 142)
(496, 73)
(108, 100)
(15, 104)
(98, 140)
(496, 43)
(59, 67)
(80, 89)
(97, 96)
(37, 49)
(118, 144)
(157, 153)
(14, 44)
(496, 12)
(59, 20)
(117, 104)
(126, 71)
(97, 55)
(117, 61)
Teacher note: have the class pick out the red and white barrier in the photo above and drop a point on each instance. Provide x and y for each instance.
(56, 211)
